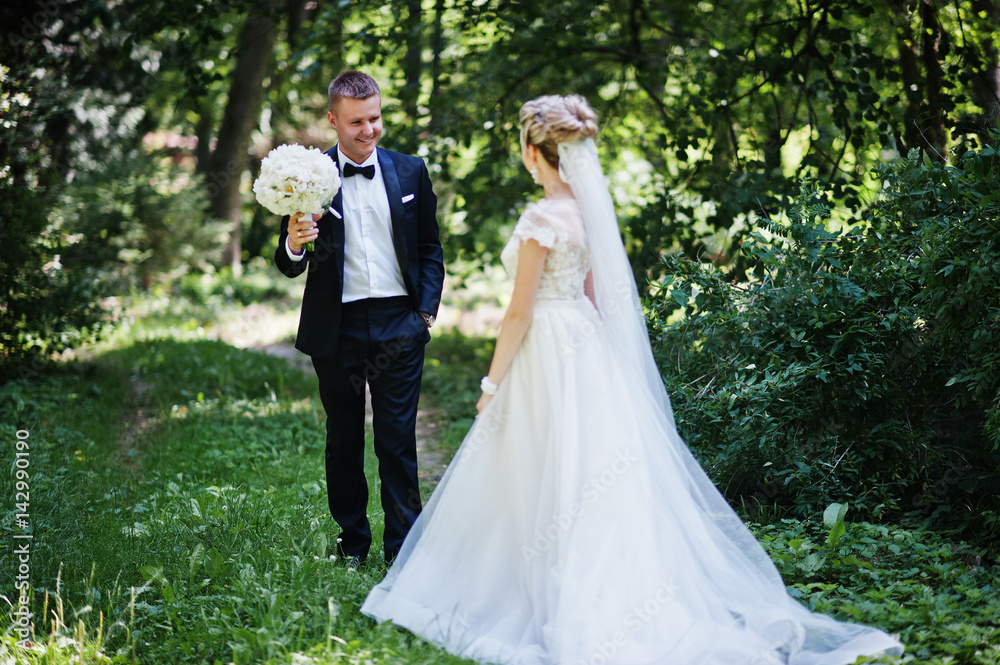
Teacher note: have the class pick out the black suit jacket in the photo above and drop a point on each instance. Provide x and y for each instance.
(414, 237)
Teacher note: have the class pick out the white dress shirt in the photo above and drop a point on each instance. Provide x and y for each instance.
(371, 269)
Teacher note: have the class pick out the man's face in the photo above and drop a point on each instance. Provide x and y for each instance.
(359, 125)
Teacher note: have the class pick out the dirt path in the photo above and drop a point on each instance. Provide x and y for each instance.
(137, 419)
(262, 328)
(430, 462)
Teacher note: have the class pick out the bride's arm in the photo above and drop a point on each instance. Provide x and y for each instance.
(517, 319)
(588, 288)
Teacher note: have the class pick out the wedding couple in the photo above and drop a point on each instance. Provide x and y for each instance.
(573, 526)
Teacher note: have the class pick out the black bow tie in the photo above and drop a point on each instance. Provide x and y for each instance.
(366, 171)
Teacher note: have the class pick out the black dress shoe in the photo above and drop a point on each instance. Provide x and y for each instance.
(350, 560)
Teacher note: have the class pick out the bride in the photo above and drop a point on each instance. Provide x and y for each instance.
(574, 527)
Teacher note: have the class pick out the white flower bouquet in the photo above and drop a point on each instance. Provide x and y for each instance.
(294, 179)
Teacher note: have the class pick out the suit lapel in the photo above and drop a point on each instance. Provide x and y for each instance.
(395, 196)
(337, 219)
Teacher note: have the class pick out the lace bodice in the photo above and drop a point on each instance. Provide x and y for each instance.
(557, 225)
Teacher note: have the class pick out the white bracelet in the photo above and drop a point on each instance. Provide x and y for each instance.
(488, 387)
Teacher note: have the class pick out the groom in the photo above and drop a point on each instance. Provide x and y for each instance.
(373, 286)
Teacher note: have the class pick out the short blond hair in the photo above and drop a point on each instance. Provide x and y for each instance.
(353, 84)
(550, 120)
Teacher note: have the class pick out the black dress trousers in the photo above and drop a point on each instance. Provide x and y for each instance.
(381, 344)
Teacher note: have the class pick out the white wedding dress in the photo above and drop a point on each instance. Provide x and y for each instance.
(574, 527)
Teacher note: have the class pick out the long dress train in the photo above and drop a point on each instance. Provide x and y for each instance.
(574, 527)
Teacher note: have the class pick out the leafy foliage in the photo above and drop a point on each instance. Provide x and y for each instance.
(948, 221)
(713, 108)
(47, 302)
(936, 594)
(855, 365)
(709, 110)
(152, 220)
(84, 211)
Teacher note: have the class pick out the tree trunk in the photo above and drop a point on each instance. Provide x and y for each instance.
(298, 13)
(932, 132)
(229, 160)
(203, 131)
(336, 40)
(910, 74)
(412, 63)
(987, 85)
(437, 46)
(772, 153)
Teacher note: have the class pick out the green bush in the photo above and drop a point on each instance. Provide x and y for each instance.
(855, 365)
(152, 218)
(947, 221)
(49, 301)
(260, 282)
(129, 225)
(76, 226)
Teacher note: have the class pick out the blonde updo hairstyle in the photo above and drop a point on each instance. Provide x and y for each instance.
(550, 120)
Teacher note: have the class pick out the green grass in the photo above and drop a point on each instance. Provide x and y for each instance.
(452, 369)
(939, 595)
(179, 516)
(178, 511)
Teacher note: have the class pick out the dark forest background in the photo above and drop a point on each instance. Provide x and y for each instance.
(808, 191)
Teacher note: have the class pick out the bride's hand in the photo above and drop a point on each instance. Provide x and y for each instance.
(484, 399)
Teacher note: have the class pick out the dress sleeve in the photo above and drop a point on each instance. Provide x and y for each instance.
(533, 225)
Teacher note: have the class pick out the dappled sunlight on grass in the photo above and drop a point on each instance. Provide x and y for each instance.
(178, 484)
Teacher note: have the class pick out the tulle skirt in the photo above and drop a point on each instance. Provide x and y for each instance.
(574, 527)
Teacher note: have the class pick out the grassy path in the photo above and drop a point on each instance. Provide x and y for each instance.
(178, 516)
(178, 512)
